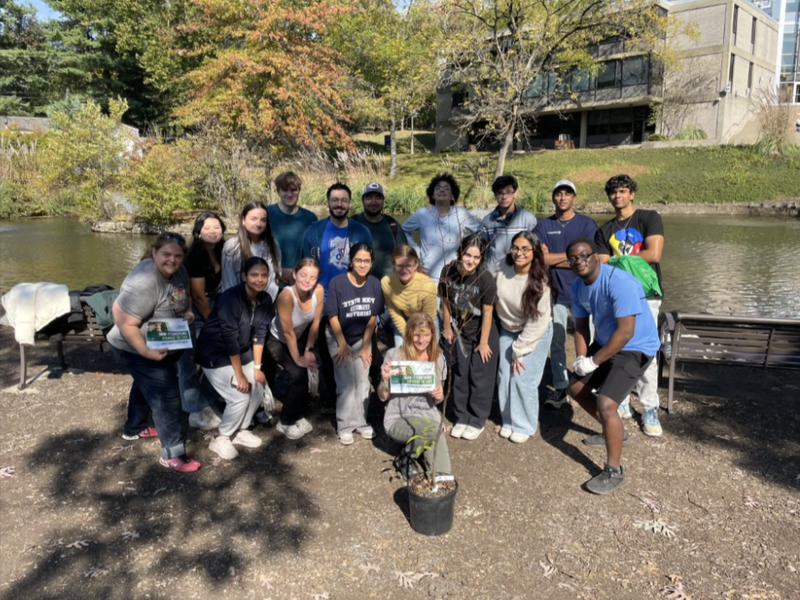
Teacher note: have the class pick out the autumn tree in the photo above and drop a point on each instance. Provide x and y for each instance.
(498, 50)
(264, 69)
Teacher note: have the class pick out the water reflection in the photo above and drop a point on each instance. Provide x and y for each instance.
(723, 265)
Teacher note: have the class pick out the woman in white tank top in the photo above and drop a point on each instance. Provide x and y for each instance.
(291, 345)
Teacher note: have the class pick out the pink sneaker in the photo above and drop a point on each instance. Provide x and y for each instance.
(182, 464)
(147, 432)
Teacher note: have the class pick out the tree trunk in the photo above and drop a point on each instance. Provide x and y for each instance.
(504, 150)
(412, 134)
(393, 141)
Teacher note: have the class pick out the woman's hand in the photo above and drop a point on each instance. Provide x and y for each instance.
(485, 352)
(365, 354)
(448, 334)
(341, 355)
(241, 383)
(308, 361)
(437, 394)
(153, 354)
(189, 316)
(259, 377)
(386, 370)
(517, 367)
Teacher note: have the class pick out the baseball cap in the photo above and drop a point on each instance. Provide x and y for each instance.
(567, 184)
(373, 188)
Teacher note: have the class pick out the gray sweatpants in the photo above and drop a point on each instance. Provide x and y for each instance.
(240, 408)
(352, 388)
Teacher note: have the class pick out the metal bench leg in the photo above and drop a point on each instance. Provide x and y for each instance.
(61, 360)
(23, 368)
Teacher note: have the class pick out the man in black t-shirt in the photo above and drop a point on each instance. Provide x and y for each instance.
(638, 232)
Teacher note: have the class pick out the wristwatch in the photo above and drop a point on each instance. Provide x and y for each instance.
(310, 349)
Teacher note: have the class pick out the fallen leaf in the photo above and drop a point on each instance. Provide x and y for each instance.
(368, 567)
(94, 572)
(314, 451)
(79, 544)
(6, 472)
(267, 583)
(750, 503)
(547, 568)
(232, 571)
(129, 535)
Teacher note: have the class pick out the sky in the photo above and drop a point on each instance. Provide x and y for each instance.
(43, 12)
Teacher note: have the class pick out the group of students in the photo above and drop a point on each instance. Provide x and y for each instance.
(291, 295)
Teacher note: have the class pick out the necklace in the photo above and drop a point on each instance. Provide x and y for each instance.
(621, 228)
(563, 223)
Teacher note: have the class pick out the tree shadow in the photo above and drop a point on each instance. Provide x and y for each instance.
(129, 506)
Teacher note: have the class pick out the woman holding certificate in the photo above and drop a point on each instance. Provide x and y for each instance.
(415, 414)
(353, 304)
(230, 349)
(156, 289)
(526, 329)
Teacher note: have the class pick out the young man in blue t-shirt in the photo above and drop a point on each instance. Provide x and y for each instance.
(289, 221)
(626, 341)
(556, 232)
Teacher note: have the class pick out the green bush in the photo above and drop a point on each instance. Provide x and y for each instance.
(161, 182)
(657, 137)
(691, 133)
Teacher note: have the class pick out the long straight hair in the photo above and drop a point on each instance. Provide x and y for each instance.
(538, 276)
(416, 322)
(266, 236)
(198, 248)
(406, 251)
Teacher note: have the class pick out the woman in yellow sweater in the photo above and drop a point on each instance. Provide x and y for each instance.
(407, 291)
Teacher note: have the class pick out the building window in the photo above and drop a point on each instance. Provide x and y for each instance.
(753, 36)
(750, 79)
(635, 70)
(730, 73)
(735, 22)
(607, 75)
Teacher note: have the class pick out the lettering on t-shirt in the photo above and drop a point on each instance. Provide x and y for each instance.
(339, 252)
(358, 307)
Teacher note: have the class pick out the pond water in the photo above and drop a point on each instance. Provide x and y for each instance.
(722, 265)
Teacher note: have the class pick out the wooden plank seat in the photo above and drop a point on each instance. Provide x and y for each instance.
(86, 331)
(769, 343)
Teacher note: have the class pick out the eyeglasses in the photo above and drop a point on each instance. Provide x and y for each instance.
(405, 267)
(442, 186)
(169, 235)
(362, 261)
(524, 251)
(574, 260)
(335, 200)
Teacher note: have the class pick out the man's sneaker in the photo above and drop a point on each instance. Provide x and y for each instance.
(206, 419)
(181, 464)
(293, 432)
(471, 433)
(624, 409)
(304, 425)
(557, 398)
(247, 439)
(367, 432)
(346, 438)
(222, 445)
(147, 432)
(505, 432)
(264, 417)
(605, 483)
(406, 465)
(598, 440)
(650, 424)
(519, 438)
(458, 430)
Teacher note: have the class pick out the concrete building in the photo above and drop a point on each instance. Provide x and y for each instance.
(711, 87)
(787, 14)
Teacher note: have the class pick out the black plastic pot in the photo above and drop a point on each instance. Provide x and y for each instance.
(432, 516)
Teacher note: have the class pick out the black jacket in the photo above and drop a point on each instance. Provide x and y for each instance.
(233, 327)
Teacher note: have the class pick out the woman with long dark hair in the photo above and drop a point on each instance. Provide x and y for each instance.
(526, 328)
(230, 350)
(468, 291)
(253, 239)
(156, 288)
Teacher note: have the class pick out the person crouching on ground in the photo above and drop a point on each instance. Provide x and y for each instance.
(230, 350)
(626, 340)
(415, 415)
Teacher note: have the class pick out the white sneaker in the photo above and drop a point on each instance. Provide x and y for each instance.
(346, 438)
(519, 438)
(505, 432)
(624, 409)
(206, 419)
(367, 432)
(293, 432)
(222, 445)
(305, 425)
(247, 439)
(471, 433)
(458, 430)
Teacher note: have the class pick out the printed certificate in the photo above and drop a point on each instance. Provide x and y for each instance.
(412, 377)
(168, 334)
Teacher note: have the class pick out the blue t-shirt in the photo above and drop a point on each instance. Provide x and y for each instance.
(615, 294)
(558, 235)
(354, 306)
(290, 230)
(334, 253)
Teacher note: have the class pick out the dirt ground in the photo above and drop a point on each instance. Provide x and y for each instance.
(86, 514)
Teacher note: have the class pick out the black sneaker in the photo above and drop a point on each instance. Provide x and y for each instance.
(556, 398)
(406, 465)
(598, 440)
(605, 483)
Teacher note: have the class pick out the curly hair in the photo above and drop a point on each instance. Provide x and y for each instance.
(448, 179)
(620, 181)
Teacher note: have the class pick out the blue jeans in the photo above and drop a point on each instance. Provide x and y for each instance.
(195, 394)
(155, 389)
(558, 347)
(519, 394)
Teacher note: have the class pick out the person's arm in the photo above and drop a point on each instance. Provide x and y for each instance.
(653, 248)
(313, 331)
(389, 297)
(285, 307)
(603, 249)
(486, 328)
(618, 339)
(365, 354)
(469, 224)
(411, 225)
(582, 336)
(241, 382)
(198, 289)
(129, 326)
(400, 236)
(384, 387)
(231, 264)
(447, 328)
(343, 351)
(258, 355)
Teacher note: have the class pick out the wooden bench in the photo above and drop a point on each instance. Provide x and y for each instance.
(769, 343)
(88, 331)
